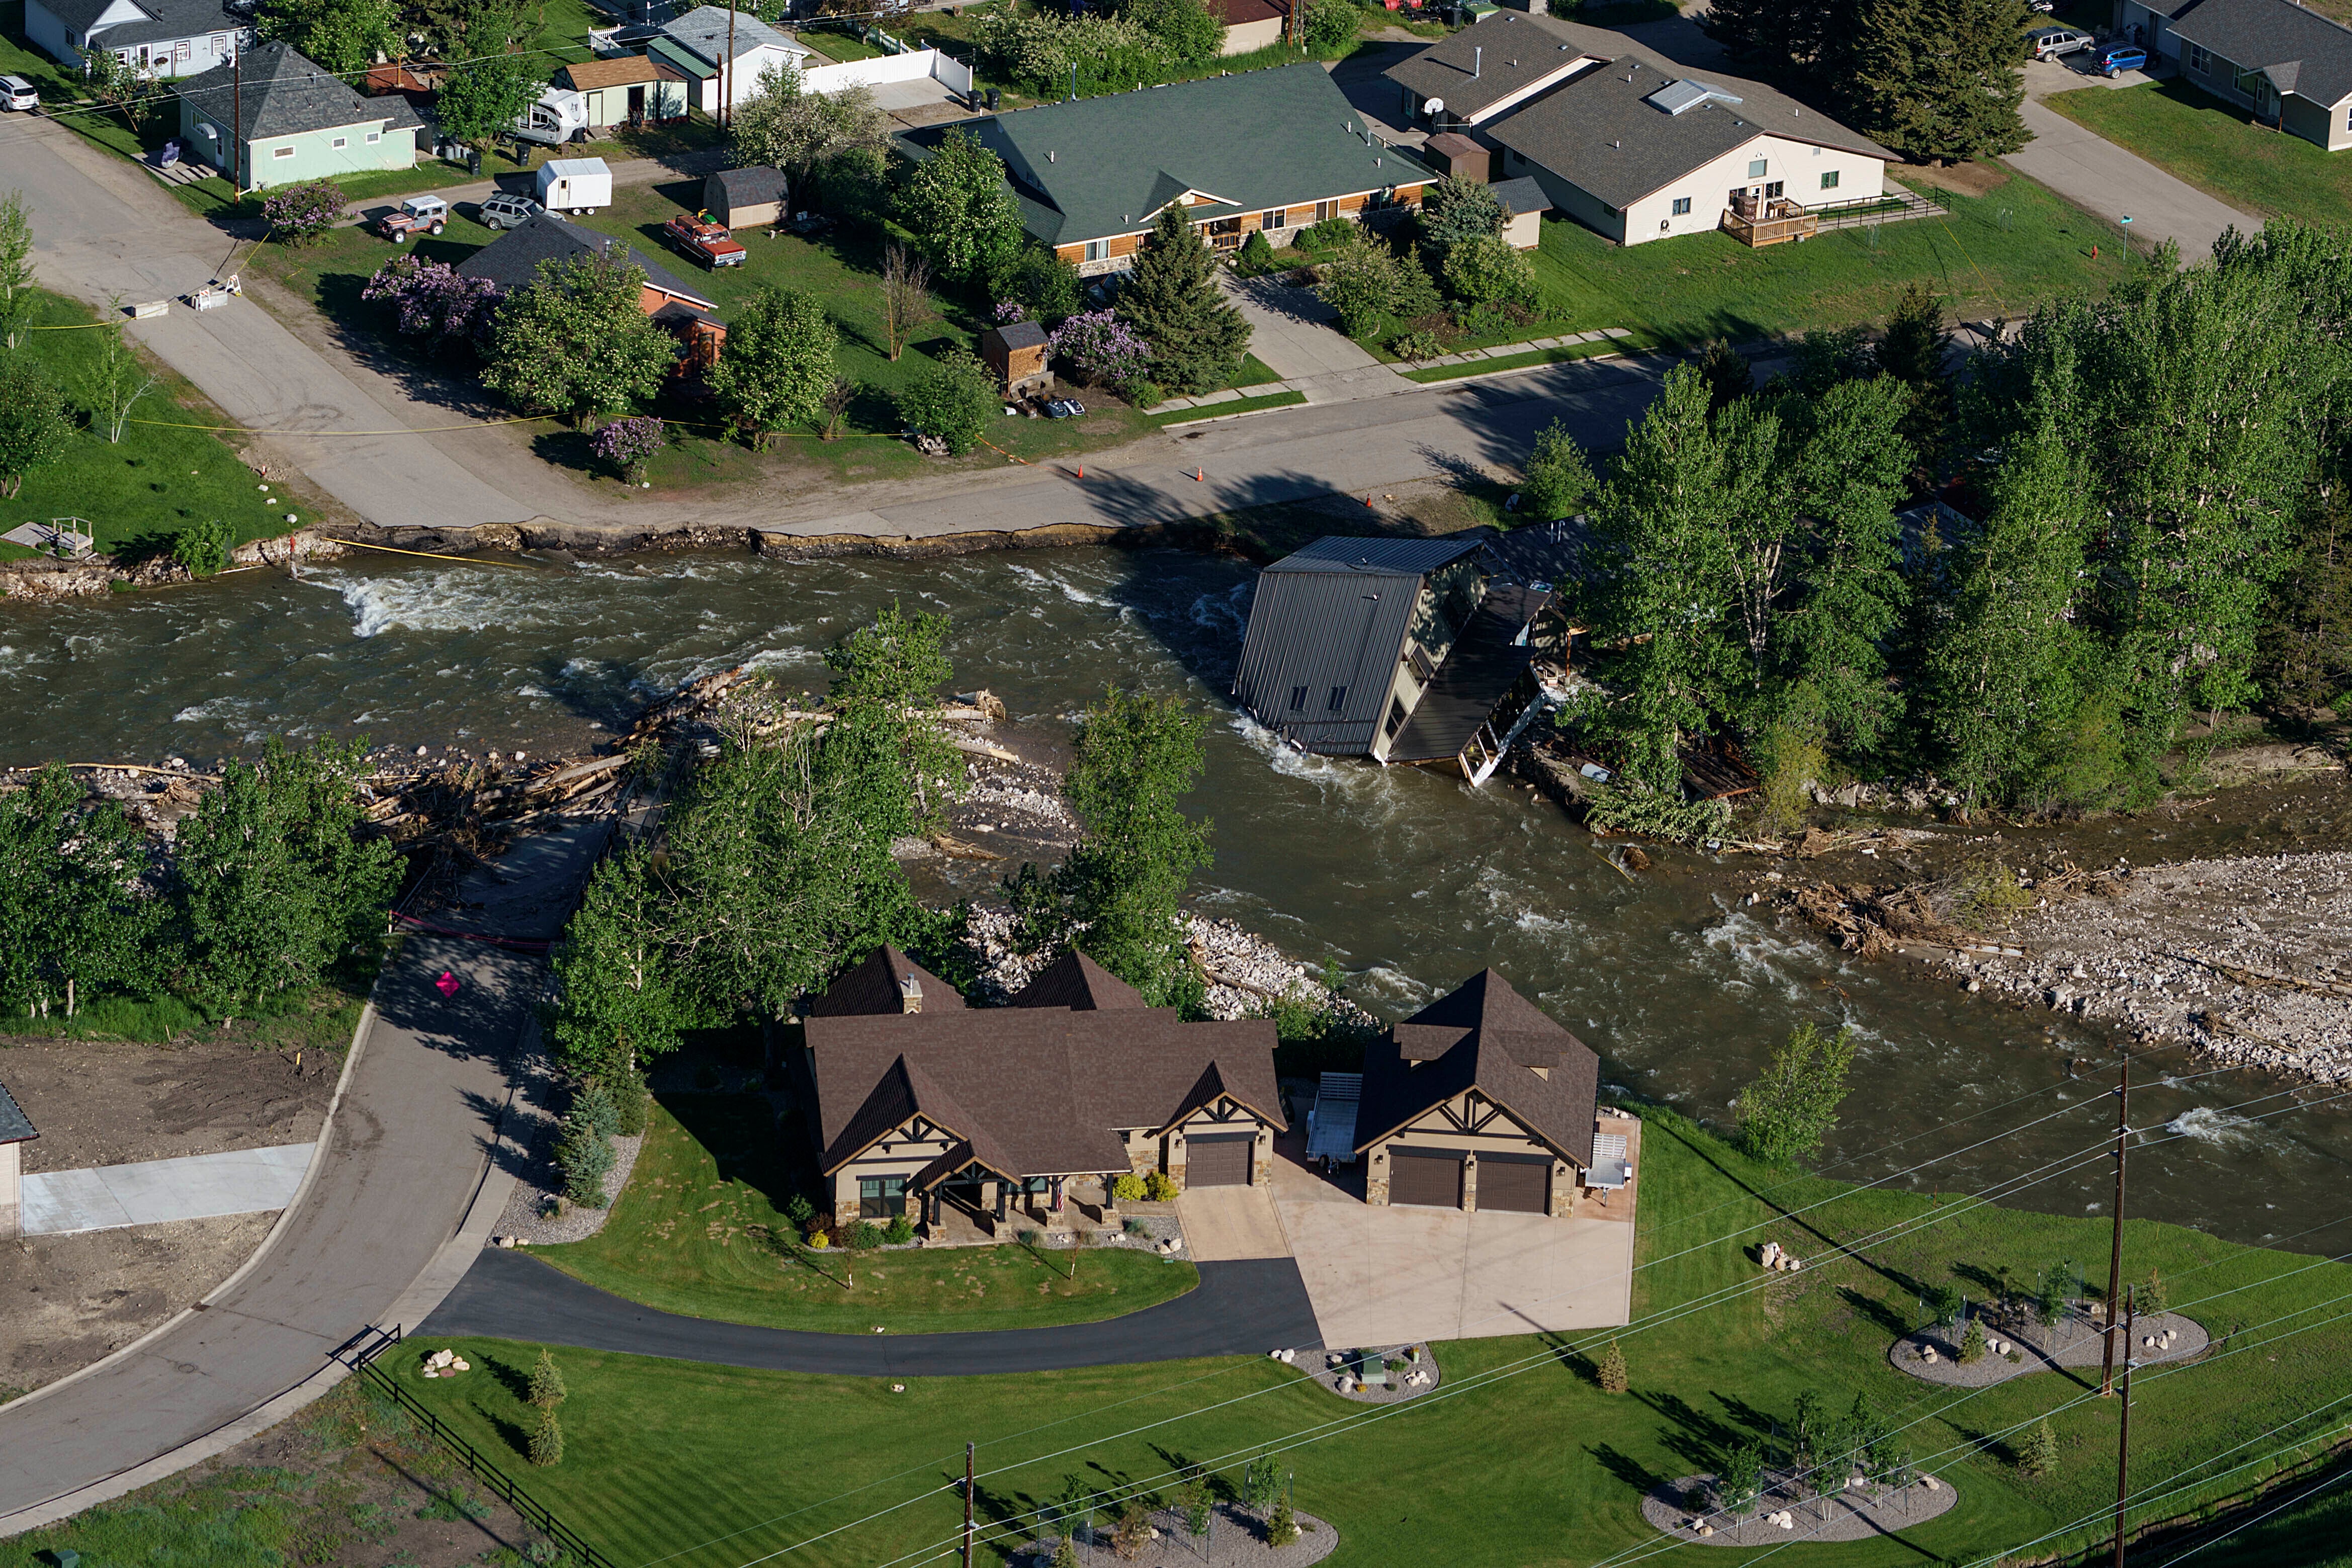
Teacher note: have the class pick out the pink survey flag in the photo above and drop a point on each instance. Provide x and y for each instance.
(446, 985)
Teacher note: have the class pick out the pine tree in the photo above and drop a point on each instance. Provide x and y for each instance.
(1729, 377)
(1612, 1374)
(2038, 1453)
(1972, 1343)
(547, 1390)
(1173, 301)
(1938, 78)
(2305, 654)
(1912, 351)
(547, 1439)
(1282, 1530)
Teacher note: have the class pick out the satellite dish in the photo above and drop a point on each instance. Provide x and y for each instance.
(1435, 106)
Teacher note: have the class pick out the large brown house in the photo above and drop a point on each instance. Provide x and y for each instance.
(968, 1119)
(1479, 1102)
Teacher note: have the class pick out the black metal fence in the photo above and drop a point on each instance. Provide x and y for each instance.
(362, 1352)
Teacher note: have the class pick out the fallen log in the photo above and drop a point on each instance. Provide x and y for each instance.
(2245, 974)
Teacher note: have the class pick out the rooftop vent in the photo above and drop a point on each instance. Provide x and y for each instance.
(1680, 97)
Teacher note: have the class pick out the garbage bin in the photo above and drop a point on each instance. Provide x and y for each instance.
(995, 98)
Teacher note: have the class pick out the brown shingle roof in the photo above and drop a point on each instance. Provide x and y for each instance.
(1076, 981)
(874, 985)
(1035, 1090)
(1235, 13)
(625, 70)
(1486, 1036)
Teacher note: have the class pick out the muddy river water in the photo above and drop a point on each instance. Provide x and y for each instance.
(1407, 880)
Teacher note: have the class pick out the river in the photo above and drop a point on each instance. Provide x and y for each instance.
(1407, 881)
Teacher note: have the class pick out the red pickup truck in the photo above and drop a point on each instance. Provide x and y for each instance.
(706, 242)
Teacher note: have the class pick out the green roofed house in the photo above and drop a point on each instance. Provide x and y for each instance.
(300, 122)
(1273, 149)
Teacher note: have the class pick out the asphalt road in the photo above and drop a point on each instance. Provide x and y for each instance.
(1239, 1309)
(399, 1162)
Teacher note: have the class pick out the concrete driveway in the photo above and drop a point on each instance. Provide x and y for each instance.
(1388, 1276)
(1296, 335)
(1229, 1225)
(2095, 173)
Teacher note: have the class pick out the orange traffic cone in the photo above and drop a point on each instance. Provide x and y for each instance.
(1202, 475)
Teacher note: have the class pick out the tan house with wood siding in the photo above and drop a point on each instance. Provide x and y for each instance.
(1275, 149)
(1480, 1101)
(970, 1120)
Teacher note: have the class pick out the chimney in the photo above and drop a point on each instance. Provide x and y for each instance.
(910, 994)
(1478, 61)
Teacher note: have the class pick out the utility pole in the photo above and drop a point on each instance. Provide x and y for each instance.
(967, 1506)
(2115, 1252)
(236, 113)
(2123, 1444)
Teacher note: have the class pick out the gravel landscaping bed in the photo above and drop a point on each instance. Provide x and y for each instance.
(1856, 1514)
(1338, 1374)
(2076, 1342)
(1236, 1540)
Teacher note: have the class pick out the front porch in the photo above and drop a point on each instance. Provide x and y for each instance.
(974, 1210)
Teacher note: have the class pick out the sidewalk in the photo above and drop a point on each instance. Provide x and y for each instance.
(197, 1186)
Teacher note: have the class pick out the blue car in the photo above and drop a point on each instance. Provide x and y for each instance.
(2115, 61)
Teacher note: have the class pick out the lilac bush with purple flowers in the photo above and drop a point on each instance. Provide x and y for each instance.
(630, 444)
(1101, 348)
(300, 214)
(1009, 311)
(432, 301)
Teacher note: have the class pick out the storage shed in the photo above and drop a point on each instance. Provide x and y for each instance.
(1524, 205)
(1016, 352)
(1456, 154)
(16, 1129)
(740, 198)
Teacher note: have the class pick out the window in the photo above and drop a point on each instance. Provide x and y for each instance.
(1396, 717)
(340, 143)
(1325, 211)
(1338, 698)
(282, 151)
(1099, 250)
(1297, 698)
(1829, 179)
(1772, 192)
(1756, 168)
(220, 43)
(373, 137)
(2199, 61)
(1682, 206)
(1274, 218)
(881, 1197)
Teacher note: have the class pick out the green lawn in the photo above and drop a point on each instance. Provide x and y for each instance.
(698, 1231)
(1519, 1459)
(1533, 357)
(2216, 147)
(159, 479)
(1238, 405)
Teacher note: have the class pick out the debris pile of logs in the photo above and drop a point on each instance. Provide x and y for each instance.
(1872, 922)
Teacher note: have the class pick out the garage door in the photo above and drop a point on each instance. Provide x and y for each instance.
(1520, 1185)
(1431, 1178)
(1217, 1159)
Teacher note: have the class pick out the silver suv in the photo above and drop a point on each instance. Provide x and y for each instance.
(16, 93)
(2050, 43)
(505, 210)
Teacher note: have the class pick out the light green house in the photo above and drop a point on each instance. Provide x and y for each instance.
(294, 121)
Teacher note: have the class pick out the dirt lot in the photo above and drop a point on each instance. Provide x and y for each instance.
(68, 1300)
(102, 1103)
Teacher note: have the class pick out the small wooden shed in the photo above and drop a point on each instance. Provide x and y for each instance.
(1016, 352)
(1524, 205)
(741, 198)
(1451, 152)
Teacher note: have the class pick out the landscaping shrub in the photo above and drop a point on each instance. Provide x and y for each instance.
(799, 1210)
(1945, 1303)
(1330, 233)
(628, 445)
(430, 300)
(1331, 25)
(1256, 257)
(1102, 349)
(300, 214)
(1132, 1536)
(863, 1236)
(1158, 1188)
(1145, 394)
(899, 1231)
(1136, 1227)
(1416, 345)
(1282, 1530)
(952, 400)
(203, 547)
(2149, 1299)
(818, 1240)
(1127, 1188)
(1360, 282)
(1612, 1376)
(584, 1156)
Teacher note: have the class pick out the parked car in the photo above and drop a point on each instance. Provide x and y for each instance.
(505, 210)
(2122, 57)
(708, 243)
(417, 215)
(17, 94)
(2041, 7)
(1065, 408)
(2051, 42)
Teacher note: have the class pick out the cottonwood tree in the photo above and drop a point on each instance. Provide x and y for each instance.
(342, 35)
(1173, 301)
(957, 203)
(616, 1007)
(34, 430)
(784, 127)
(1939, 79)
(575, 340)
(483, 100)
(1118, 895)
(1786, 1111)
(273, 883)
(74, 920)
(19, 302)
(776, 366)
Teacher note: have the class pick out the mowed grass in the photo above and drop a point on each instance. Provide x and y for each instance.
(698, 1230)
(164, 474)
(2216, 147)
(1518, 1459)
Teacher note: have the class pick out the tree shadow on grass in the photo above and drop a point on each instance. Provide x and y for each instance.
(1877, 1310)
(1627, 1468)
(1695, 1436)
(565, 449)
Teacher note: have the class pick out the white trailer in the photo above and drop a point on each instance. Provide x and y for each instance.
(551, 121)
(574, 184)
